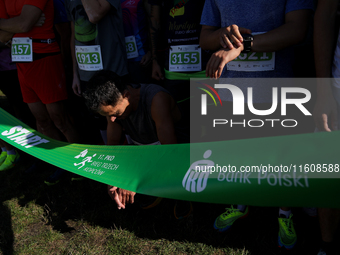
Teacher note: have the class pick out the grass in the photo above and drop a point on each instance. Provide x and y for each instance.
(79, 218)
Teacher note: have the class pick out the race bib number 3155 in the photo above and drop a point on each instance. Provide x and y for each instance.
(89, 58)
(185, 58)
(22, 49)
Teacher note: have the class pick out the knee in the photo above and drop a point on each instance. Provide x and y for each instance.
(60, 121)
(44, 123)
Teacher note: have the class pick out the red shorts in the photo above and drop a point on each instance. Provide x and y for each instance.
(43, 80)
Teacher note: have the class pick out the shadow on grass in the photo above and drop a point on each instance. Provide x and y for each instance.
(6, 232)
(87, 201)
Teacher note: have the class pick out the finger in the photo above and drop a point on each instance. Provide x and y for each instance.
(127, 197)
(119, 204)
(237, 41)
(222, 41)
(123, 200)
(79, 90)
(244, 30)
(325, 123)
(132, 198)
(228, 42)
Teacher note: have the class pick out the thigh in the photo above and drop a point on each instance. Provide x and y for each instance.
(39, 111)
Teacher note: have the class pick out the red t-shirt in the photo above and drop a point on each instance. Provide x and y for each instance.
(12, 8)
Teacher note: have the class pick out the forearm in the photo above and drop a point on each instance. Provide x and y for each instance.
(114, 133)
(96, 9)
(155, 26)
(5, 36)
(289, 34)
(73, 52)
(14, 25)
(24, 22)
(324, 24)
(210, 38)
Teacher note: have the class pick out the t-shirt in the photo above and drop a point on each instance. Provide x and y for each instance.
(139, 125)
(135, 24)
(260, 16)
(108, 33)
(60, 15)
(12, 8)
(181, 22)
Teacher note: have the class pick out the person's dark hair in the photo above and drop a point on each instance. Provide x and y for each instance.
(105, 88)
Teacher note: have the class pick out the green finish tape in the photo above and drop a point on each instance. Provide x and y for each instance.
(169, 170)
(184, 76)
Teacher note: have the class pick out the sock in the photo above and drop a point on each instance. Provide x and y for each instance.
(3, 149)
(11, 152)
(285, 213)
(241, 207)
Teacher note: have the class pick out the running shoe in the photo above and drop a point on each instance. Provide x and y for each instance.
(3, 157)
(287, 237)
(77, 177)
(226, 219)
(148, 202)
(182, 209)
(55, 177)
(10, 161)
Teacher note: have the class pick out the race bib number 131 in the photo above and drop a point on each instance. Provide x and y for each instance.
(22, 50)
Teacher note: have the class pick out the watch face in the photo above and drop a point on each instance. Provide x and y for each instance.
(247, 37)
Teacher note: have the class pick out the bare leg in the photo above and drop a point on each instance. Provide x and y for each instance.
(44, 123)
(329, 221)
(62, 121)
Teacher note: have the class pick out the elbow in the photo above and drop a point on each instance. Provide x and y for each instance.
(94, 18)
(25, 27)
(203, 44)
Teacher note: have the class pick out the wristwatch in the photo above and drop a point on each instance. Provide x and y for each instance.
(247, 39)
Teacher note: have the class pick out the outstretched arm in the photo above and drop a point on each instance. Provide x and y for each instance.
(325, 112)
(291, 32)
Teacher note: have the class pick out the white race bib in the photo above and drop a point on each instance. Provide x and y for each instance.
(253, 61)
(131, 47)
(89, 58)
(22, 49)
(185, 58)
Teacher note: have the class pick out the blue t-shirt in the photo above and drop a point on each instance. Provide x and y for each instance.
(60, 15)
(135, 23)
(260, 16)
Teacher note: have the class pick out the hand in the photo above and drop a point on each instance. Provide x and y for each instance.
(40, 21)
(121, 196)
(325, 113)
(76, 85)
(232, 35)
(156, 71)
(218, 60)
(146, 59)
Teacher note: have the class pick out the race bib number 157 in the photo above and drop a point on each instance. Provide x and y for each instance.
(22, 49)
